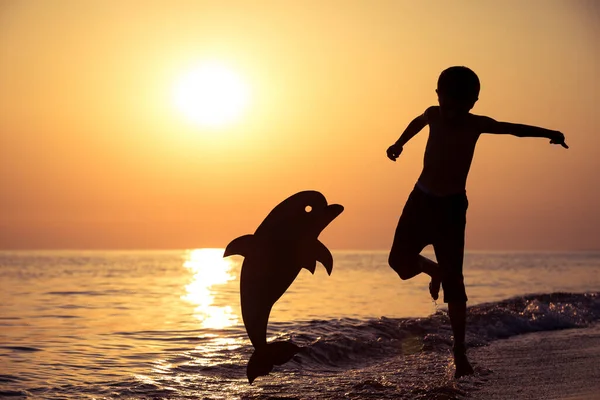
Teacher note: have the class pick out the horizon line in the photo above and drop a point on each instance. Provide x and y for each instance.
(380, 250)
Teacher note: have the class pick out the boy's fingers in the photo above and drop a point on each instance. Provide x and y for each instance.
(562, 143)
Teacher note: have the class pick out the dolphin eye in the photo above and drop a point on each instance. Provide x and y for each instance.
(308, 209)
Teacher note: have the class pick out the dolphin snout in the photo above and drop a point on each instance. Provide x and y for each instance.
(334, 210)
(328, 214)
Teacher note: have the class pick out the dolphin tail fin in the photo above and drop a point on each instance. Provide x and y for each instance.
(265, 357)
(240, 246)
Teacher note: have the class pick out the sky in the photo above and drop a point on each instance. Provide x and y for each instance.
(94, 153)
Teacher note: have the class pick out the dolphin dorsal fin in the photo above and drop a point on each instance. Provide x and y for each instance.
(240, 246)
(323, 255)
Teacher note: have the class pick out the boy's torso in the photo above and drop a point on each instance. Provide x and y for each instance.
(448, 153)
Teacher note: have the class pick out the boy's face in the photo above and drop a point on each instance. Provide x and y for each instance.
(453, 107)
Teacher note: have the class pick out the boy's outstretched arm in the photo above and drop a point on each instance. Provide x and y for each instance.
(411, 130)
(490, 125)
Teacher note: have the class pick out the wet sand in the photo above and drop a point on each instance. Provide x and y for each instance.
(546, 365)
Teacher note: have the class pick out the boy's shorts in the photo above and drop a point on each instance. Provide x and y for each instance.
(439, 221)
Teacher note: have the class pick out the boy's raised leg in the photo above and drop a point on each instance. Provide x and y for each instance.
(432, 269)
(408, 263)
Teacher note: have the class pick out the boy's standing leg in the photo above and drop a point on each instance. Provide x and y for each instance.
(457, 311)
(449, 250)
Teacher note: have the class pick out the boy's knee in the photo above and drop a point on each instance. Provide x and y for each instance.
(405, 266)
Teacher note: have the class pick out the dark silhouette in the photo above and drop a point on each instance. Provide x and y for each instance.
(435, 212)
(285, 242)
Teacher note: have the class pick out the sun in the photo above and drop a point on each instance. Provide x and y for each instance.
(211, 95)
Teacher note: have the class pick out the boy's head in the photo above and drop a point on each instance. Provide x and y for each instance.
(458, 90)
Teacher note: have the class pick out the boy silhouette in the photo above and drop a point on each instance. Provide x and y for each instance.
(435, 212)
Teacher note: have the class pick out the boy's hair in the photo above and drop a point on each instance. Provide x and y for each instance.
(459, 83)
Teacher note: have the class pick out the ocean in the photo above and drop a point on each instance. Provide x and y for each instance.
(167, 324)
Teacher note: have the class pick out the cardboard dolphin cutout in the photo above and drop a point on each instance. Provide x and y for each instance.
(284, 243)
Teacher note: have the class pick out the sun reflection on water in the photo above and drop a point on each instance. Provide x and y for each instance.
(209, 269)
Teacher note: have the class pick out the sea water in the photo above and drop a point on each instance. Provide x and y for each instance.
(167, 324)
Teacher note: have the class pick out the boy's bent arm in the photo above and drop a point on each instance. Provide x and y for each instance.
(411, 130)
(490, 125)
(415, 126)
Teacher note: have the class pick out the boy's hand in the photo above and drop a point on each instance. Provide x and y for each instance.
(394, 151)
(557, 137)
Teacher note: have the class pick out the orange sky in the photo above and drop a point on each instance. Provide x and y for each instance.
(94, 155)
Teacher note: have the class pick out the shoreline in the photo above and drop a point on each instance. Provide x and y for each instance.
(561, 365)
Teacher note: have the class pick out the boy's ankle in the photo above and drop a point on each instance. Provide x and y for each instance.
(461, 362)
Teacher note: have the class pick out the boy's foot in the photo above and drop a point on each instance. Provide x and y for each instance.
(434, 287)
(463, 367)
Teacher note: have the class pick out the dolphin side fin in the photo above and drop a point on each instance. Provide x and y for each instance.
(317, 252)
(311, 266)
(308, 260)
(323, 255)
(240, 246)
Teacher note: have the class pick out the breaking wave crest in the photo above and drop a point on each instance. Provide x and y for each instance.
(344, 342)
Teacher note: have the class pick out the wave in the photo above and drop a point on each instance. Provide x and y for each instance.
(349, 342)
(21, 348)
(338, 343)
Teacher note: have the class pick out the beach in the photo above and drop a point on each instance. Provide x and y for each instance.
(546, 365)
